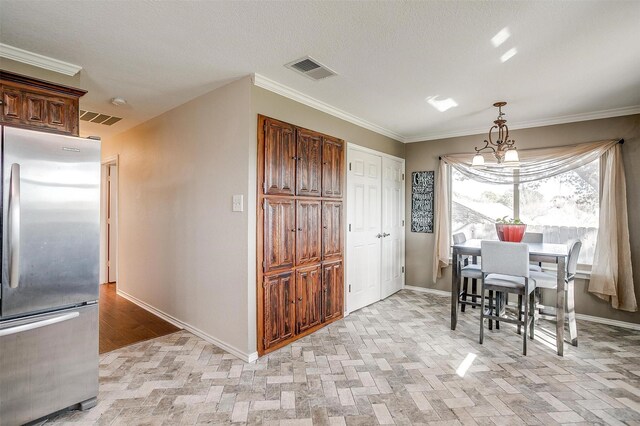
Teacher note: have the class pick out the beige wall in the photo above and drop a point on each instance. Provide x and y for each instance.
(424, 156)
(181, 248)
(277, 106)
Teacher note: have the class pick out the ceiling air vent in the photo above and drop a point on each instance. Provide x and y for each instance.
(96, 117)
(311, 68)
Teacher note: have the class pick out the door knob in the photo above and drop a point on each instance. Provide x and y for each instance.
(299, 299)
(379, 236)
(385, 234)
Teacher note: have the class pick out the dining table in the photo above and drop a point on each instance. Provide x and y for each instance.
(538, 252)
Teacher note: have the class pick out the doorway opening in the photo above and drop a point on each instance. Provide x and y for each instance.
(109, 222)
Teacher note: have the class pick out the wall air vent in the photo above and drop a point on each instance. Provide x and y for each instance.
(311, 68)
(96, 117)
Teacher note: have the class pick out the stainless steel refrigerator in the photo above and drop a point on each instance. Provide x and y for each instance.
(49, 282)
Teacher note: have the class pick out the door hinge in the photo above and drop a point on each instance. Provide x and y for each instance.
(264, 126)
(403, 223)
(349, 166)
(264, 204)
(403, 176)
(349, 227)
(264, 283)
(264, 342)
(349, 288)
(264, 265)
(108, 263)
(264, 187)
(403, 269)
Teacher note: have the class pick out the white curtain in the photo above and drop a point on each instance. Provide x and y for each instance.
(611, 276)
(442, 229)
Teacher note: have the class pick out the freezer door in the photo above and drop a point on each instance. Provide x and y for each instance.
(51, 221)
(48, 362)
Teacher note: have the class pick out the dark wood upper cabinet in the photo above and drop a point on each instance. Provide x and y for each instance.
(332, 167)
(278, 303)
(279, 234)
(279, 158)
(332, 232)
(308, 298)
(332, 290)
(39, 105)
(308, 238)
(309, 163)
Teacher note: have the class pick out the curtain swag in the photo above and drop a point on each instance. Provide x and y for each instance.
(611, 275)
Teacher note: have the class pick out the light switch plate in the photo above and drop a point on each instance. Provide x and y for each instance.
(237, 204)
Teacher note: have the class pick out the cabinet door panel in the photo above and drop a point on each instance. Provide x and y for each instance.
(279, 158)
(332, 167)
(308, 239)
(278, 305)
(12, 105)
(332, 231)
(309, 163)
(279, 234)
(308, 298)
(333, 290)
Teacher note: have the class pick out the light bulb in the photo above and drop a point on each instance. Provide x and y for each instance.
(478, 160)
(511, 156)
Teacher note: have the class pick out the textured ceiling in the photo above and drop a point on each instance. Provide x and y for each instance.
(574, 59)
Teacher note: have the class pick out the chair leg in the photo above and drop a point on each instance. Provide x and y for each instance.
(465, 288)
(532, 309)
(490, 309)
(526, 323)
(474, 290)
(498, 307)
(519, 313)
(481, 313)
(571, 314)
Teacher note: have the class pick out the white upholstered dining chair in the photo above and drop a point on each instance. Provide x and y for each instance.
(546, 280)
(468, 271)
(505, 269)
(534, 238)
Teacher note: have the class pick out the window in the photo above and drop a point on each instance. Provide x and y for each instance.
(562, 207)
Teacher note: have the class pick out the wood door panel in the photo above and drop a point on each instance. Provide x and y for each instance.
(279, 158)
(332, 167)
(309, 235)
(308, 298)
(309, 163)
(278, 302)
(332, 229)
(279, 234)
(333, 290)
(12, 104)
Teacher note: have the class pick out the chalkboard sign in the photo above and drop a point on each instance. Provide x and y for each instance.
(422, 184)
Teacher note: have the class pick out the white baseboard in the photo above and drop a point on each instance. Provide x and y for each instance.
(583, 317)
(428, 290)
(185, 326)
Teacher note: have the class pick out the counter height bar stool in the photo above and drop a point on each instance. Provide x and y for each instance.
(505, 269)
(545, 280)
(467, 271)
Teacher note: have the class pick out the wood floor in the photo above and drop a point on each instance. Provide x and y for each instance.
(123, 323)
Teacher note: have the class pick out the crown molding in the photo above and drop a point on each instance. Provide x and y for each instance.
(37, 60)
(565, 119)
(287, 92)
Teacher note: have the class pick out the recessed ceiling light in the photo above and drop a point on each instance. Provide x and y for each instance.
(500, 37)
(441, 104)
(508, 54)
(118, 101)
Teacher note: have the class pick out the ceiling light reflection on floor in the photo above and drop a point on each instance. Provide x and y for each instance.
(508, 54)
(443, 104)
(466, 363)
(500, 37)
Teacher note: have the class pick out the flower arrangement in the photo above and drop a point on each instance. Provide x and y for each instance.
(510, 229)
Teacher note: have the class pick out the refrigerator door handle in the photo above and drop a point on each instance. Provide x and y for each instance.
(38, 324)
(14, 226)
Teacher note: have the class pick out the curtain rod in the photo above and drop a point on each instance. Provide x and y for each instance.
(621, 142)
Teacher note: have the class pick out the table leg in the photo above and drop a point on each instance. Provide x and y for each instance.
(560, 305)
(455, 289)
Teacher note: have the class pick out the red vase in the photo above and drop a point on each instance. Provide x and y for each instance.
(510, 233)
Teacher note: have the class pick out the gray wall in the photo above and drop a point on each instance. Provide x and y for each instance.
(180, 248)
(424, 156)
(277, 106)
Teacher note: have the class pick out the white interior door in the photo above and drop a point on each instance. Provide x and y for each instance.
(364, 225)
(392, 265)
(112, 183)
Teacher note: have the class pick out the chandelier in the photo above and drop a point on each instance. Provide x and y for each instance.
(503, 148)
